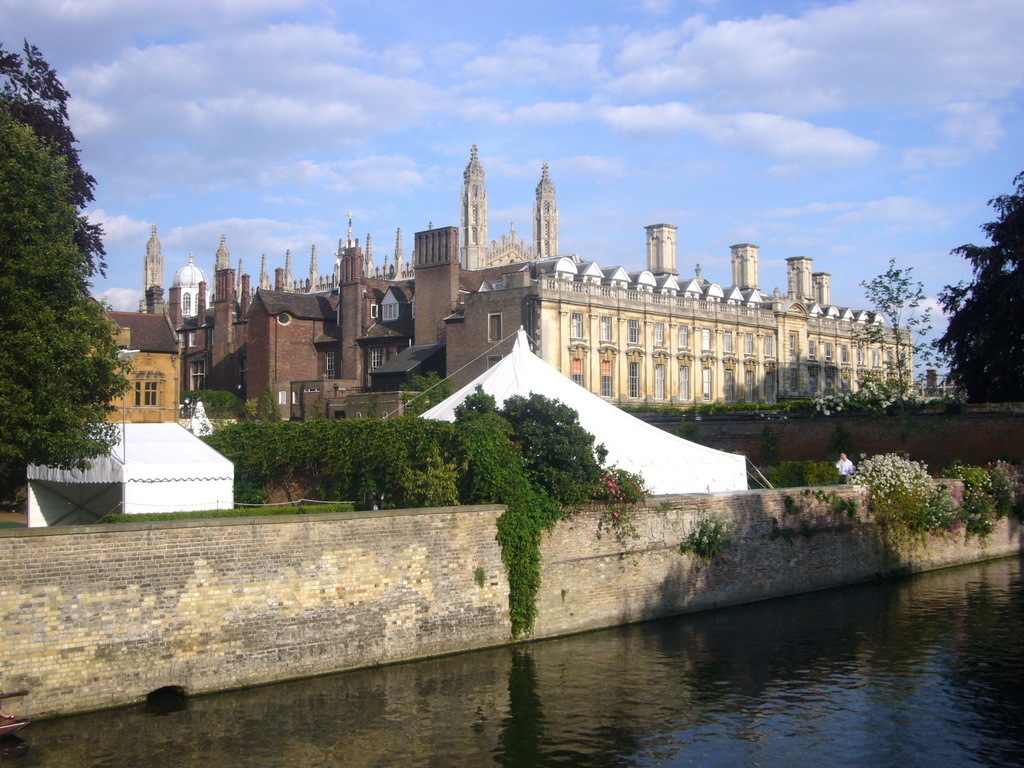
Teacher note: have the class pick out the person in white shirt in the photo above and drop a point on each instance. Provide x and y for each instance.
(845, 467)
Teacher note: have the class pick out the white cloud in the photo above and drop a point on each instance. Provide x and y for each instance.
(533, 59)
(121, 299)
(863, 53)
(776, 136)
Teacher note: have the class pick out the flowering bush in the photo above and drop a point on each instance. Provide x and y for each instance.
(1007, 483)
(621, 491)
(709, 538)
(874, 394)
(899, 492)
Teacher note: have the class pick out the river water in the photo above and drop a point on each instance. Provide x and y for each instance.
(926, 671)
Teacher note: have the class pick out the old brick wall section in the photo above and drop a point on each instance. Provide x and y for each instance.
(936, 439)
(99, 616)
(594, 578)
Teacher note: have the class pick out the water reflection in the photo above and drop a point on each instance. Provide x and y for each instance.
(924, 672)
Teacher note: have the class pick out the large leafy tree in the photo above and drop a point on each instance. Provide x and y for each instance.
(31, 93)
(59, 366)
(984, 341)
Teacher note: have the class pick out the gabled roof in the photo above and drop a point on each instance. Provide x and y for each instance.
(642, 278)
(667, 283)
(306, 306)
(149, 333)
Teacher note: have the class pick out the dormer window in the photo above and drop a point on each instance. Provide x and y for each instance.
(390, 310)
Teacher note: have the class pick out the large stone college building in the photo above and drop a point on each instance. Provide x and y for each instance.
(342, 343)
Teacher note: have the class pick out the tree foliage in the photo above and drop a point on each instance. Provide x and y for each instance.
(32, 94)
(59, 367)
(984, 341)
(898, 298)
(424, 393)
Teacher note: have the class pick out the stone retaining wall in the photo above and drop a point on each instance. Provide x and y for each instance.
(99, 616)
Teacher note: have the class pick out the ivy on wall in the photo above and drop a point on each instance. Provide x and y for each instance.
(411, 462)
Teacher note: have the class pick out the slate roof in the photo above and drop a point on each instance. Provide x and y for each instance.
(305, 306)
(149, 333)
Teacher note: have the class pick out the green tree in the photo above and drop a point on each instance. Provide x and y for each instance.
(897, 297)
(32, 94)
(984, 341)
(59, 366)
(424, 393)
(559, 454)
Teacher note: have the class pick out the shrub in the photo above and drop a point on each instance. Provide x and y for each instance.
(622, 491)
(899, 492)
(793, 474)
(709, 539)
(219, 404)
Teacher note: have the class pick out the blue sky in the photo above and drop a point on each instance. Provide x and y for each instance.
(850, 132)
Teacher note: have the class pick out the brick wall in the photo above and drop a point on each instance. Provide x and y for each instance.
(936, 439)
(100, 616)
(593, 578)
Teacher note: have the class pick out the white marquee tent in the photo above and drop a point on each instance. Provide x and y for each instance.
(667, 463)
(153, 468)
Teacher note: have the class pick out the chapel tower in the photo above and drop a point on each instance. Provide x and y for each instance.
(153, 276)
(473, 215)
(545, 218)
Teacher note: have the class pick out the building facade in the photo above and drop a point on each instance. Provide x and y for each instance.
(338, 343)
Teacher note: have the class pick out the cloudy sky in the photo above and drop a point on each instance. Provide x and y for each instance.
(850, 132)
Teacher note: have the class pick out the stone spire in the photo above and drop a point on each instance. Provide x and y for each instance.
(223, 257)
(349, 214)
(368, 257)
(545, 218)
(288, 269)
(238, 290)
(313, 272)
(264, 279)
(153, 265)
(152, 277)
(473, 235)
(399, 259)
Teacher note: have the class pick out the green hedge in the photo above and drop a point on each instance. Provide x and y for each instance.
(794, 474)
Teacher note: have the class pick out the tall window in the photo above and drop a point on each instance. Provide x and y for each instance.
(707, 384)
(659, 334)
(147, 394)
(186, 304)
(729, 384)
(792, 345)
(606, 328)
(494, 327)
(684, 337)
(748, 343)
(659, 382)
(606, 378)
(576, 367)
(860, 354)
(830, 382)
(828, 350)
(876, 358)
(634, 379)
(684, 382)
(705, 340)
(793, 379)
(376, 357)
(769, 346)
(576, 325)
(748, 386)
(728, 342)
(330, 364)
(812, 349)
(634, 331)
(198, 371)
(812, 381)
(846, 354)
(769, 387)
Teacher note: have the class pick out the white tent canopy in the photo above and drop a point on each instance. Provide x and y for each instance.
(667, 463)
(153, 468)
